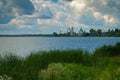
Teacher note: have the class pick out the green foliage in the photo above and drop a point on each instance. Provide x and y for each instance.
(5, 77)
(55, 72)
(108, 51)
(102, 64)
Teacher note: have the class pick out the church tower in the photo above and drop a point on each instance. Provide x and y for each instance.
(80, 32)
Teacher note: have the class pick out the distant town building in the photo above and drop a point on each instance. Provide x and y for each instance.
(80, 32)
(70, 31)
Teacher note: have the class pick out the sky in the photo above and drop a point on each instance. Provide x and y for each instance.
(48, 16)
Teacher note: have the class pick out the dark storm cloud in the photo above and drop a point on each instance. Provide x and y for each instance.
(8, 9)
(25, 6)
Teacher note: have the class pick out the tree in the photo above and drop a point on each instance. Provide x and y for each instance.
(55, 34)
(92, 32)
(116, 30)
(99, 32)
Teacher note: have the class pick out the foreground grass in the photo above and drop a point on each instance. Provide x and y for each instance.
(102, 64)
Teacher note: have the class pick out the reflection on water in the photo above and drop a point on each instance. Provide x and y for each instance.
(24, 45)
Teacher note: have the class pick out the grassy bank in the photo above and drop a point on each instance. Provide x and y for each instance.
(102, 64)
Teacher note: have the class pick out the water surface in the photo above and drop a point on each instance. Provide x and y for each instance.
(24, 45)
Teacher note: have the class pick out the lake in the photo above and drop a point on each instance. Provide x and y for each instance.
(24, 45)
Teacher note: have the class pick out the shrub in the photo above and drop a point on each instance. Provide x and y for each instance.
(55, 71)
(5, 77)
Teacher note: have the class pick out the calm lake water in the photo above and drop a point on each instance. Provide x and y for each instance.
(24, 45)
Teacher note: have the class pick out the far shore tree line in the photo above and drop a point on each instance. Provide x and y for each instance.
(92, 32)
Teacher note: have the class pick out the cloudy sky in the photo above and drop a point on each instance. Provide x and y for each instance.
(48, 16)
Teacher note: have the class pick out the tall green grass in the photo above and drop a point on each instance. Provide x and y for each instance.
(108, 51)
(103, 62)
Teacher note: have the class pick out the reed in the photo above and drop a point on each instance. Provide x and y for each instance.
(103, 63)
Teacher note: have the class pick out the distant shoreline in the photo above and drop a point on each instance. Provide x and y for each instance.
(46, 35)
(27, 35)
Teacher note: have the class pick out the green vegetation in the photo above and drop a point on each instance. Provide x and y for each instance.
(92, 32)
(55, 72)
(5, 77)
(101, 64)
